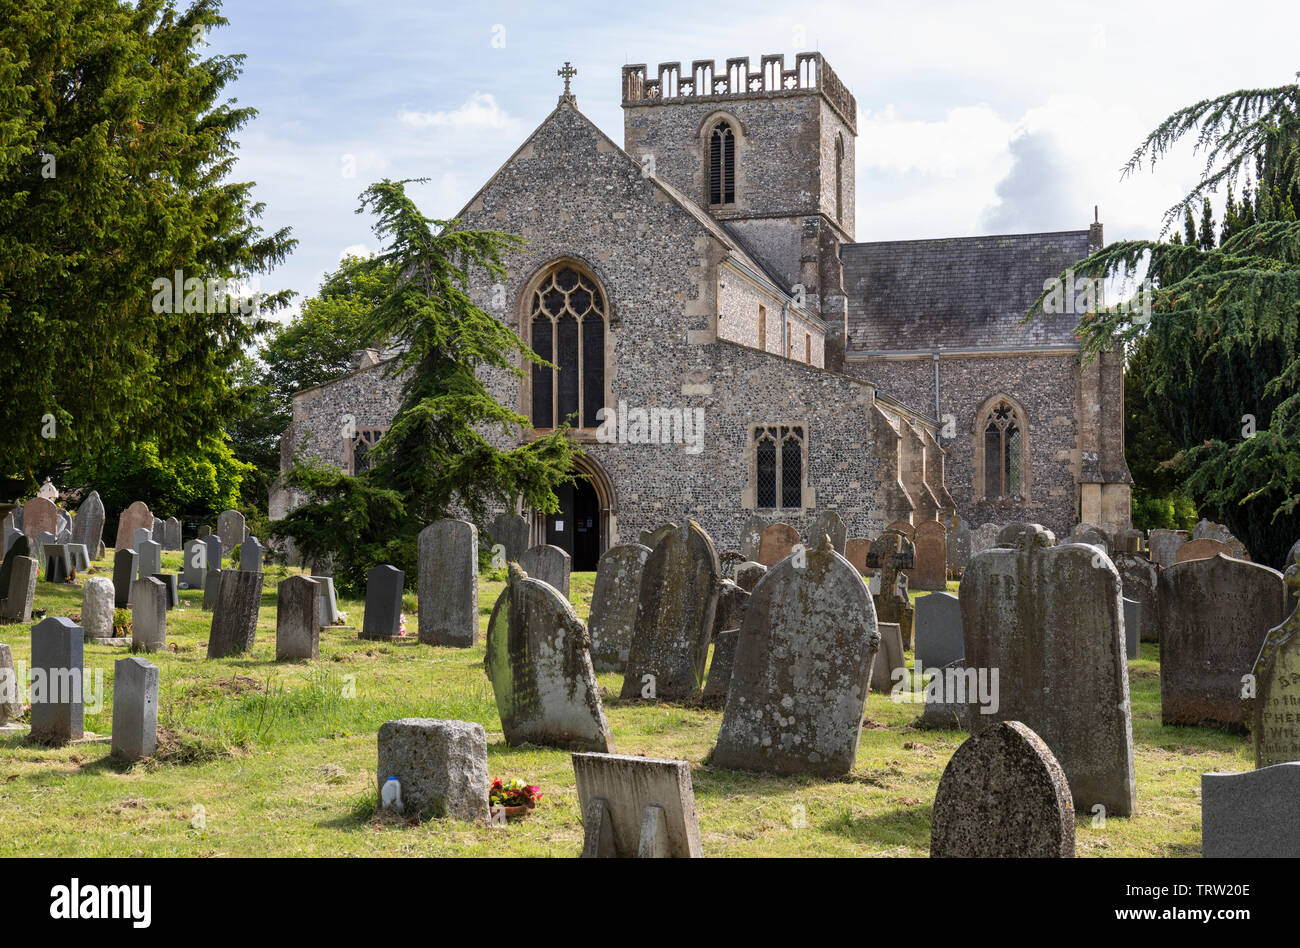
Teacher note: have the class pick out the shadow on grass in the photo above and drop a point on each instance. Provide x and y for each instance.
(904, 826)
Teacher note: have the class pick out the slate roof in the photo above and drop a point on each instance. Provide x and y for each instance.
(956, 293)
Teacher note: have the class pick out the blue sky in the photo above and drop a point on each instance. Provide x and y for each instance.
(992, 117)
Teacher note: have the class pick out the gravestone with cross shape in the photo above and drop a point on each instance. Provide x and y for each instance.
(892, 553)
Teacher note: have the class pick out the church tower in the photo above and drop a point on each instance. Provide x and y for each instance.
(769, 154)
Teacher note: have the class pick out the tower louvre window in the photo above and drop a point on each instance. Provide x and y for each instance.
(722, 165)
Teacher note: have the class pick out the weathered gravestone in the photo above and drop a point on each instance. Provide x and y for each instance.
(88, 525)
(11, 705)
(1138, 577)
(1163, 546)
(831, 524)
(383, 618)
(1202, 549)
(441, 767)
(548, 564)
(636, 806)
(1091, 534)
(612, 619)
(1009, 537)
(251, 553)
(674, 618)
(730, 611)
(652, 538)
(194, 564)
(134, 518)
(1214, 615)
(538, 662)
(1127, 541)
(959, 544)
(984, 537)
(135, 709)
(946, 706)
(215, 552)
(297, 620)
(938, 630)
(21, 590)
(1208, 529)
(232, 529)
(718, 685)
(40, 515)
(156, 532)
(148, 615)
(856, 552)
(511, 532)
(1050, 620)
(891, 553)
(329, 605)
(212, 589)
(57, 699)
(777, 542)
(802, 669)
(124, 573)
(905, 527)
(43, 539)
(171, 534)
(448, 584)
(751, 537)
(889, 658)
(234, 619)
(748, 574)
(931, 552)
(148, 558)
(1003, 795)
(1275, 711)
(1252, 815)
(97, 605)
(203, 531)
(1132, 627)
(142, 535)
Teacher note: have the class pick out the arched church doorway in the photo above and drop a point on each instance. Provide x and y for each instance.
(585, 523)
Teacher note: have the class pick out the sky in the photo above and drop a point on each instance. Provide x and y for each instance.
(989, 117)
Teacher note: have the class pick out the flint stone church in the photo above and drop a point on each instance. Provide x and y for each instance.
(706, 271)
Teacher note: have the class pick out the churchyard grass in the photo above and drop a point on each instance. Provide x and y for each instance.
(265, 758)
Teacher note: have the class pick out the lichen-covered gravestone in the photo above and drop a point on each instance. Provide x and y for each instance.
(636, 806)
(448, 584)
(652, 538)
(538, 662)
(831, 524)
(1003, 795)
(748, 574)
(441, 767)
(802, 669)
(135, 517)
(548, 564)
(1251, 815)
(931, 551)
(612, 619)
(1050, 621)
(1275, 717)
(730, 611)
(297, 620)
(1214, 615)
(234, 619)
(676, 605)
(97, 606)
(778, 541)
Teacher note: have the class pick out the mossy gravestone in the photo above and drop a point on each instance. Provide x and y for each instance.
(1050, 621)
(613, 605)
(538, 662)
(1275, 721)
(1003, 795)
(802, 667)
(674, 618)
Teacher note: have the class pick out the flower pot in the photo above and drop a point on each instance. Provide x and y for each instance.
(513, 812)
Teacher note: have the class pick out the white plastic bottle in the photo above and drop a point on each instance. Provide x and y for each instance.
(390, 797)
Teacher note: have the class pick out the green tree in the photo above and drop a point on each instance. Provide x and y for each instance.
(439, 454)
(116, 143)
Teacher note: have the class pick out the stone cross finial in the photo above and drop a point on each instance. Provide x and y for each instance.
(568, 72)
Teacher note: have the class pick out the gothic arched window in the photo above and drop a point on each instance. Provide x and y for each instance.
(1003, 452)
(722, 165)
(778, 467)
(567, 316)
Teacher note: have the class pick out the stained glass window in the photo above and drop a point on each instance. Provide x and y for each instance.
(568, 330)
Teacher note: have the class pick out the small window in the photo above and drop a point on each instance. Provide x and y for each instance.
(359, 460)
(807, 348)
(778, 467)
(722, 165)
(762, 327)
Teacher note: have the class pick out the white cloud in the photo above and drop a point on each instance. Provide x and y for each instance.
(355, 250)
(479, 111)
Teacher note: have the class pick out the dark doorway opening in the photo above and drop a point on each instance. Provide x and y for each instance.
(576, 528)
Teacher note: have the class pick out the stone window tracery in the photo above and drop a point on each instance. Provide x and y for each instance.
(722, 165)
(567, 324)
(778, 466)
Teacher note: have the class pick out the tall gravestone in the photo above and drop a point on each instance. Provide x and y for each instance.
(751, 537)
(612, 619)
(1214, 615)
(383, 618)
(548, 564)
(135, 517)
(234, 619)
(674, 618)
(88, 525)
(1003, 795)
(538, 662)
(171, 534)
(97, 605)
(231, 528)
(124, 573)
(20, 594)
(297, 620)
(448, 584)
(1139, 576)
(1050, 620)
(156, 531)
(778, 541)
(931, 551)
(511, 532)
(801, 672)
(57, 698)
(959, 544)
(939, 639)
(135, 709)
(148, 615)
(831, 524)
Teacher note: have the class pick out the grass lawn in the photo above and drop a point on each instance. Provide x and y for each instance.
(260, 758)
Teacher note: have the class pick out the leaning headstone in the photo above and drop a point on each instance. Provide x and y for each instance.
(441, 767)
(58, 708)
(234, 620)
(802, 669)
(251, 552)
(383, 618)
(1214, 616)
(938, 630)
(831, 524)
(1202, 549)
(548, 564)
(1275, 712)
(748, 574)
(636, 806)
(511, 532)
(88, 525)
(212, 589)
(297, 620)
(674, 619)
(889, 658)
(135, 709)
(538, 662)
(329, 605)
(149, 558)
(124, 574)
(194, 564)
(135, 517)
(97, 605)
(718, 685)
(11, 705)
(652, 538)
(231, 528)
(1050, 620)
(21, 593)
(751, 537)
(148, 615)
(730, 611)
(856, 552)
(1252, 815)
(612, 619)
(1003, 795)
(40, 515)
(777, 542)
(1139, 576)
(171, 534)
(447, 554)
(931, 551)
